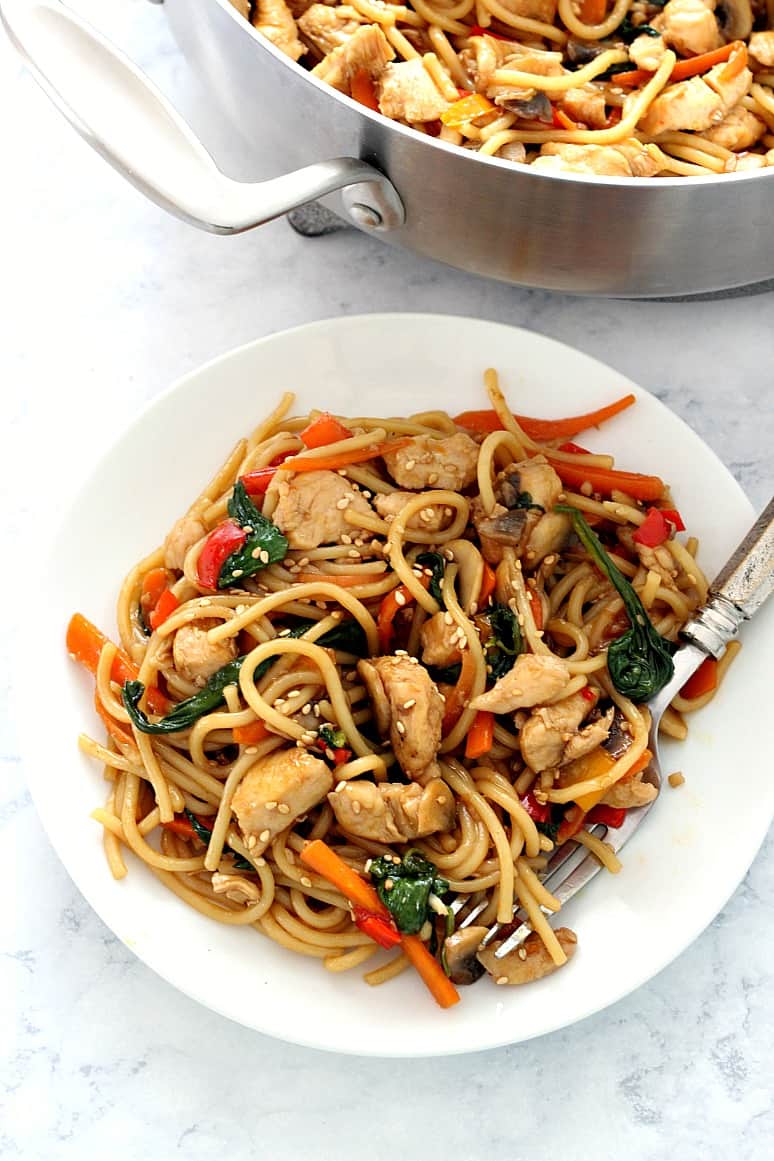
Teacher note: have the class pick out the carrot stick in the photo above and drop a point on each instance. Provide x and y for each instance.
(117, 730)
(250, 734)
(692, 67)
(362, 90)
(154, 583)
(544, 429)
(438, 983)
(704, 680)
(85, 643)
(320, 858)
(460, 695)
(488, 581)
(607, 480)
(593, 11)
(536, 605)
(480, 735)
(343, 459)
(391, 605)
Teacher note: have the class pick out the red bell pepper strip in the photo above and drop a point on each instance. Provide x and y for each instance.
(396, 600)
(545, 429)
(218, 546)
(703, 681)
(154, 583)
(381, 930)
(181, 826)
(481, 735)
(654, 529)
(323, 430)
(572, 822)
(674, 517)
(574, 448)
(257, 482)
(477, 30)
(611, 816)
(537, 811)
(165, 607)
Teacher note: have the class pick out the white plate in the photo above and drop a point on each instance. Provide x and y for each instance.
(679, 869)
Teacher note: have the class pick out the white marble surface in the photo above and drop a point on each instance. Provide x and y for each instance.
(105, 301)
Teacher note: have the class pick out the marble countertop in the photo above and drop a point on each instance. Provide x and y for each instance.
(106, 300)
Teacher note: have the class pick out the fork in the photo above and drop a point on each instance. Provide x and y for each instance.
(738, 591)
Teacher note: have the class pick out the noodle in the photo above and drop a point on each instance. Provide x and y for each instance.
(356, 656)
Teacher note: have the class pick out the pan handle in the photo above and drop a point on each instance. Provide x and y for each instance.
(122, 115)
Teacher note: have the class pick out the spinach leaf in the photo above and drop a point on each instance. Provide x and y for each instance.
(405, 888)
(549, 829)
(447, 675)
(347, 636)
(629, 32)
(264, 545)
(205, 834)
(437, 565)
(524, 500)
(505, 644)
(640, 661)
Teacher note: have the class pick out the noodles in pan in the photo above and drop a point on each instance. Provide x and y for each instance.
(382, 665)
(628, 88)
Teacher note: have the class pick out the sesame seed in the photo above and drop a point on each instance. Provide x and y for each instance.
(251, 749)
(400, 598)
(448, 554)
(205, 601)
(271, 805)
(316, 711)
(343, 503)
(522, 953)
(248, 528)
(448, 619)
(351, 675)
(342, 471)
(359, 542)
(240, 609)
(252, 841)
(353, 553)
(473, 608)
(283, 808)
(306, 709)
(368, 864)
(367, 494)
(346, 538)
(586, 488)
(441, 799)
(256, 553)
(238, 572)
(340, 786)
(329, 754)
(260, 861)
(264, 836)
(401, 653)
(463, 642)
(432, 478)
(264, 557)
(408, 704)
(448, 511)
(389, 883)
(305, 882)
(400, 728)
(410, 465)
(501, 980)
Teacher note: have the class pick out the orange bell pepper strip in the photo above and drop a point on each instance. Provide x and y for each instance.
(467, 109)
(85, 643)
(607, 480)
(703, 681)
(544, 429)
(460, 695)
(343, 459)
(536, 605)
(323, 430)
(481, 735)
(154, 583)
(363, 91)
(251, 734)
(325, 862)
(165, 607)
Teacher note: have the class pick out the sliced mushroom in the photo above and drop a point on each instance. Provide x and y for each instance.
(461, 960)
(528, 962)
(537, 108)
(735, 19)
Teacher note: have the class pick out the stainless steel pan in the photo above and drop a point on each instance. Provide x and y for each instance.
(585, 235)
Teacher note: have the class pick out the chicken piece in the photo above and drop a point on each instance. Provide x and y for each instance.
(536, 477)
(514, 968)
(487, 54)
(274, 20)
(738, 130)
(647, 52)
(426, 462)
(275, 791)
(391, 813)
(689, 26)
(698, 103)
(533, 679)
(312, 505)
(407, 92)
(406, 702)
(761, 48)
(514, 151)
(195, 657)
(549, 535)
(586, 104)
(184, 534)
(439, 641)
(629, 158)
(754, 161)
(389, 504)
(630, 792)
(551, 736)
(368, 50)
(658, 560)
(501, 528)
(326, 28)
